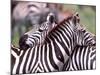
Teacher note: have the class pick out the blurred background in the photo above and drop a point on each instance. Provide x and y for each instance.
(27, 15)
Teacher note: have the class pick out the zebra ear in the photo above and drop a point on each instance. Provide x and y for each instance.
(51, 18)
(76, 18)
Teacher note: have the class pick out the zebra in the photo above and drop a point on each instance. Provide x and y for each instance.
(55, 51)
(31, 38)
(82, 58)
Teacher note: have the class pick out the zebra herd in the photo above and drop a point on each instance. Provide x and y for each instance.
(55, 47)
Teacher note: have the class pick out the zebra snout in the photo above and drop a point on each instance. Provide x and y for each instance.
(24, 47)
(22, 42)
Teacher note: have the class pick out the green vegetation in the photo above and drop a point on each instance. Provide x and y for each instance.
(15, 39)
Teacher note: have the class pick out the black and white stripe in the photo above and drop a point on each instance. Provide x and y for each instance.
(31, 38)
(55, 51)
(82, 58)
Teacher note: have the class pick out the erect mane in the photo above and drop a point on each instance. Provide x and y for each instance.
(61, 23)
(58, 26)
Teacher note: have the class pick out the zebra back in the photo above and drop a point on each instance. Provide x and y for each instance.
(82, 58)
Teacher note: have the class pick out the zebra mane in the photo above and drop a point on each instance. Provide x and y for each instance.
(59, 24)
(74, 16)
(78, 27)
(63, 22)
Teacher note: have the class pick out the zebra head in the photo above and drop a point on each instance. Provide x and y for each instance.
(49, 24)
(82, 36)
(88, 38)
(31, 39)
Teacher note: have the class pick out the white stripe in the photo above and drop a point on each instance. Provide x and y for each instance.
(94, 65)
(58, 63)
(15, 65)
(77, 58)
(37, 39)
(68, 30)
(62, 49)
(14, 54)
(86, 35)
(89, 58)
(69, 27)
(81, 57)
(73, 60)
(48, 60)
(71, 24)
(38, 69)
(39, 57)
(35, 67)
(29, 59)
(57, 35)
(85, 57)
(93, 50)
(65, 41)
(70, 42)
(23, 61)
(93, 56)
(34, 59)
(43, 53)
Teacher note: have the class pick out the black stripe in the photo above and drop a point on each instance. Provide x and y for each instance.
(65, 37)
(33, 42)
(15, 50)
(31, 59)
(37, 67)
(42, 58)
(64, 46)
(13, 59)
(51, 57)
(72, 59)
(24, 66)
(91, 62)
(84, 52)
(75, 59)
(93, 53)
(45, 57)
(20, 62)
(80, 52)
(68, 28)
(66, 66)
(35, 60)
(58, 52)
(86, 38)
(56, 37)
(87, 57)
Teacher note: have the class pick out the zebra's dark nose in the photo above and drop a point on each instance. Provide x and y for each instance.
(22, 43)
(24, 47)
